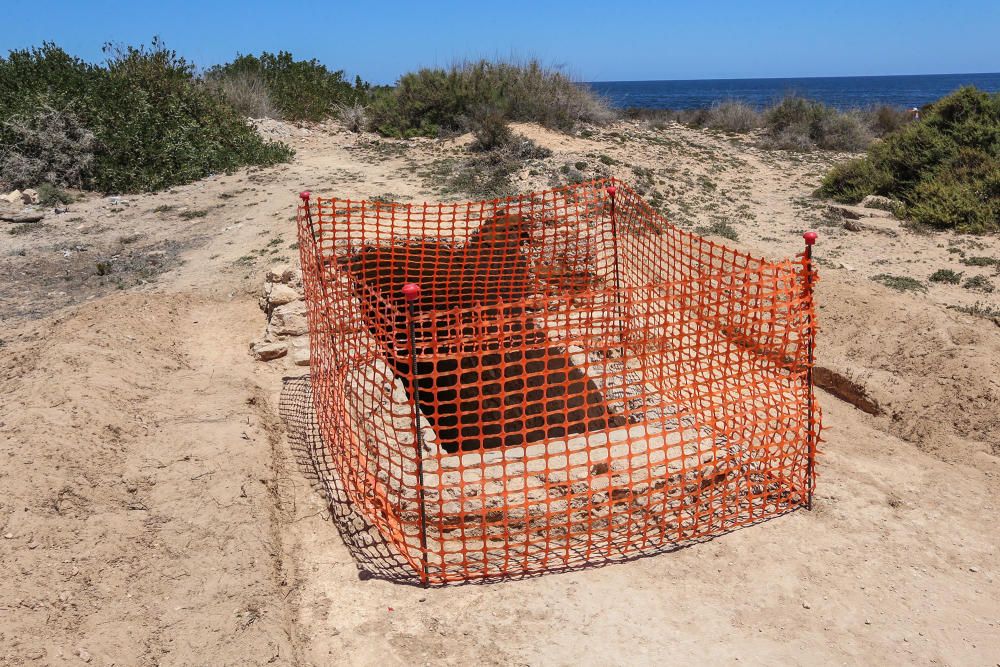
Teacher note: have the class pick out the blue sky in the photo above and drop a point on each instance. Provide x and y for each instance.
(597, 41)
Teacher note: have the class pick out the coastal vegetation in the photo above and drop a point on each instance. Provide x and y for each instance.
(793, 123)
(431, 101)
(145, 119)
(944, 170)
(278, 86)
(141, 121)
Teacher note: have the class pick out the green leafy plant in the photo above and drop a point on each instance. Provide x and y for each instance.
(299, 89)
(978, 284)
(51, 195)
(142, 121)
(430, 101)
(900, 283)
(719, 228)
(946, 276)
(797, 123)
(945, 169)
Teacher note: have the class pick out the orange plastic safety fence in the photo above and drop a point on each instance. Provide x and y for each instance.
(576, 381)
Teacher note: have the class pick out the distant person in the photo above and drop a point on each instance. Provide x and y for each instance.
(914, 113)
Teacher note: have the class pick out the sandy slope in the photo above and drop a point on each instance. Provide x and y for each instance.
(156, 513)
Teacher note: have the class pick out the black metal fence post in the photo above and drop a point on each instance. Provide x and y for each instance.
(612, 190)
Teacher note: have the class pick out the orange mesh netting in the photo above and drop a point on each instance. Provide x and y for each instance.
(566, 378)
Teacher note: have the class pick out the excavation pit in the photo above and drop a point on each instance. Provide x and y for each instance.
(577, 381)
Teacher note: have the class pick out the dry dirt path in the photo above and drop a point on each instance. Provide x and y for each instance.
(157, 514)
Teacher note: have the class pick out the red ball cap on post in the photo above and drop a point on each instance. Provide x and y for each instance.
(304, 195)
(411, 292)
(810, 237)
(611, 190)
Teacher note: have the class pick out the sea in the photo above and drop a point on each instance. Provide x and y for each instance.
(842, 92)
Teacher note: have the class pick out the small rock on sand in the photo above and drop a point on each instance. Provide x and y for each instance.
(844, 212)
(879, 202)
(281, 294)
(266, 350)
(300, 352)
(21, 217)
(289, 320)
(853, 226)
(280, 274)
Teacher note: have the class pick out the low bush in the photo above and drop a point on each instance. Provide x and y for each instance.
(981, 261)
(488, 174)
(978, 284)
(720, 228)
(900, 283)
(431, 101)
(46, 145)
(945, 169)
(51, 195)
(490, 128)
(946, 276)
(797, 123)
(247, 92)
(299, 89)
(143, 121)
(354, 117)
(887, 119)
(732, 116)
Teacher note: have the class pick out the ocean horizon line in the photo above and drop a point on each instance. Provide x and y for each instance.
(790, 78)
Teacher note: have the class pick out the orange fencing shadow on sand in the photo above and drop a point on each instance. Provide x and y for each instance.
(555, 379)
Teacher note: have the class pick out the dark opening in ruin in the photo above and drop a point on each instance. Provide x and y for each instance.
(494, 378)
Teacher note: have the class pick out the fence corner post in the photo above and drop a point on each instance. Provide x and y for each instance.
(807, 257)
(411, 293)
(612, 190)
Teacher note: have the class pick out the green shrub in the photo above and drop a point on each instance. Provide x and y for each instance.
(946, 276)
(945, 202)
(797, 123)
(900, 283)
(981, 261)
(719, 228)
(945, 169)
(977, 309)
(488, 174)
(153, 123)
(489, 126)
(299, 89)
(852, 181)
(430, 101)
(886, 119)
(51, 195)
(978, 284)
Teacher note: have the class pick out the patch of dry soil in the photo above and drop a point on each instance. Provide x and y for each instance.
(154, 512)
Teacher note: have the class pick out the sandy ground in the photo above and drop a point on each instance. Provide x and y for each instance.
(153, 511)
